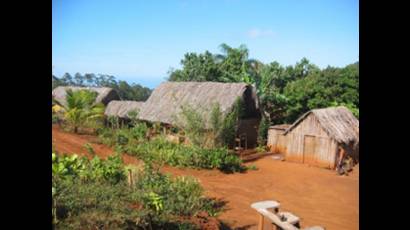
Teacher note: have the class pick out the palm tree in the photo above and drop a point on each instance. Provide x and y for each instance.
(81, 109)
(236, 65)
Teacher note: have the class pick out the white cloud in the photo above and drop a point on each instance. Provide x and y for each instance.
(258, 33)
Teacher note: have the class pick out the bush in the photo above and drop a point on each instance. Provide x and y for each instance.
(263, 131)
(221, 130)
(122, 137)
(89, 148)
(55, 119)
(94, 194)
(162, 151)
(139, 131)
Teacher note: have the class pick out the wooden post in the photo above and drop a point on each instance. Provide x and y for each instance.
(261, 222)
(130, 181)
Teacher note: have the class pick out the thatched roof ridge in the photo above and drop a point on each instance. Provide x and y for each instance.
(166, 100)
(281, 126)
(122, 108)
(338, 122)
(105, 94)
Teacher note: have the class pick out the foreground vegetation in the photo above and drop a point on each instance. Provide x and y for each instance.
(95, 194)
(132, 141)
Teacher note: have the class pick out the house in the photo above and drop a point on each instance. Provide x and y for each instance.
(315, 137)
(166, 101)
(105, 94)
(122, 109)
(276, 138)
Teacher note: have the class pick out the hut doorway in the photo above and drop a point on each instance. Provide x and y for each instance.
(309, 147)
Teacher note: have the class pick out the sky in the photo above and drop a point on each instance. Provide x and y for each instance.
(139, 41)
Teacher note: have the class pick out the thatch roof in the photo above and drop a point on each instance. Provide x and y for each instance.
(165, 102)
(338, 122)
(105, 94)
(281, 127)
(122, 108)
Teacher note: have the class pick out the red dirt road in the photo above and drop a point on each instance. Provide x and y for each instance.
(317, 196)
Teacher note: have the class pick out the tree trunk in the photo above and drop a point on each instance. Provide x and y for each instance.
(75, 129)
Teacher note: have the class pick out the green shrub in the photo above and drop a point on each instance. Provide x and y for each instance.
(162, 151)
(263, 131)
(89, 148)
(94, 194)
(252, 167)
(229, 124)
(55, 119)
(139, 131)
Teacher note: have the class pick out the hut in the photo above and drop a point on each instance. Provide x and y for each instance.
(276, 138)
(314, 138)
(105, 94)
(166, 101)
(122, 109)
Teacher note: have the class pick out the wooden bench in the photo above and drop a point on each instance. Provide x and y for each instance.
(289, 221)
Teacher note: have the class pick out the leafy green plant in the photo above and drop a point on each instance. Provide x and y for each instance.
(350, 106)
(261, 148)
(263, 131)
(113, 122)
(162, 151)
(252, 167)
(99, 197)
(139, 131)
(122, 137)
(81, 109)
(193, 124)
(89, 148)
(155, 201)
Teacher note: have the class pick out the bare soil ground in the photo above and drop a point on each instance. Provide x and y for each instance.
(318, 196)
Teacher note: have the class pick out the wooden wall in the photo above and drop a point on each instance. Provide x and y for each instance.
(277, 141)
(308, 143)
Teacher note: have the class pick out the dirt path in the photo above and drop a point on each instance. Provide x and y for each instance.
(70, 143)
(317, 196)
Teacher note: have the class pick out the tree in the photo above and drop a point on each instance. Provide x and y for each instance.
(90, 79)
(322, 89)
(197, 67)
(81, 109)
(79, 79)
(67, 79)
(233, 65)
(134, 92)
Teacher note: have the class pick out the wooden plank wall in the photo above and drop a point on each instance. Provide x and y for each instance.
(325, 147)
(277, 141)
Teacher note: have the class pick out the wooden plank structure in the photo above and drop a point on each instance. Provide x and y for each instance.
(276, 138)
(315, 137)
(280, 220)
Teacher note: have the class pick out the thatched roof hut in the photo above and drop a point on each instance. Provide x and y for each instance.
(315, 137)
(338, 122)
(105, 94)
(166, 100)
(121, 109)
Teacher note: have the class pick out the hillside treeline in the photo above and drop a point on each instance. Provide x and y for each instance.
(133, 92)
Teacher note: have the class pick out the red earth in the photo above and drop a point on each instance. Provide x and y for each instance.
(318, 196)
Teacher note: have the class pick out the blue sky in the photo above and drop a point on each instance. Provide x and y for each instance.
(139, 41)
